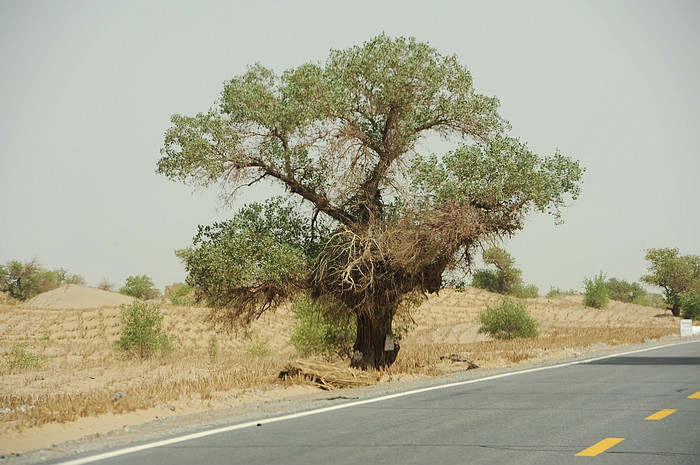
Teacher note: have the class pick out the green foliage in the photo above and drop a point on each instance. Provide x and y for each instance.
(22, 281)
(259, 347)
(506, 279)
(486, 279)
(213, 348)
(676, 274)
(555, 292)
(142, 331)
(342, 137)
(596, 293)
(623, 291)
(529, 291)
(322, 327)
(21, 358)
(458, 285)
(257, 259)
(502, 178)
(140, 287)
(181, 295)
(690, 305)
(508, 320)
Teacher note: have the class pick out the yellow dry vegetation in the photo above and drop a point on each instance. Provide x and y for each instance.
(84, 376)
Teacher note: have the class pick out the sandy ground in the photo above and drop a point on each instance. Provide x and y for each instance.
(74, 327)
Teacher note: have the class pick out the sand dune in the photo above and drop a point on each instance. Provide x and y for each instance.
(71, 296)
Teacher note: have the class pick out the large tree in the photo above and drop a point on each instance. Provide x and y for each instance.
(676, 274)
(343, 138)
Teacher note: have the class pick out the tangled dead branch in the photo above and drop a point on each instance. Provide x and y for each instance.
(392, 258)
(328, 376)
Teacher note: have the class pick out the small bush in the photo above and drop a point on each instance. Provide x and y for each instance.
(529, 291)
(181, 295)
(142, 332)
(621, 290)
(596, 294)
(105, 285)
(21, 358)
(690, 305)
(213, 348)
(259, 347)
(487, 280)
(140, 287)
(556, 292)
(508, 320)
(322, 327)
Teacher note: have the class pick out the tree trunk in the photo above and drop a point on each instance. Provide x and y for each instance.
(676, 309)
(374, 345)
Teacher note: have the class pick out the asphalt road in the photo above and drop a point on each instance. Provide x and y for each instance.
(631, 409)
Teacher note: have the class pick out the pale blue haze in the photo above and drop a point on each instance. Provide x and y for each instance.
(87, 89)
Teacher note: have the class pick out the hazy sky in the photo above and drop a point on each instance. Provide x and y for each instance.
(87, 89)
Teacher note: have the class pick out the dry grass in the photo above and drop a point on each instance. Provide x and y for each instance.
(84, 376)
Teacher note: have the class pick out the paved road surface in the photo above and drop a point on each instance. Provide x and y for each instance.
(588, 413)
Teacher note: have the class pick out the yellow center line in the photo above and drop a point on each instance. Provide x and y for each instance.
(661, 414)
(599, 447)
(694, 396)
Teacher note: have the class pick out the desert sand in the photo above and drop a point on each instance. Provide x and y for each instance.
(85, 388)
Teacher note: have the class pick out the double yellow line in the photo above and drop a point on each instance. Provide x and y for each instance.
(607, 443)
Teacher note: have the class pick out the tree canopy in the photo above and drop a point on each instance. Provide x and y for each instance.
(22, 281)
(382, 221)
(676, 274)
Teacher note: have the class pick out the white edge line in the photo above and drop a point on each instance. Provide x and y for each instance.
(225, 429)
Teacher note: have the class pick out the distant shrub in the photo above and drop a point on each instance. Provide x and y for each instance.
(596, 294)
(555, 292)
(181, 295)
(508, 320)
(213, 348)
(259, 347)
(105, 285)
(487, 280)
(21, 358)
(458, 285)
(142, 330)
(505, 279)
(621, 290)
(529, 291)
(322, 327)
(690, 305)
(22, 281)
(140, 287)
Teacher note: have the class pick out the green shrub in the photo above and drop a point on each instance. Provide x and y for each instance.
(140, 287)
(181, 295)
(322, 327)
(621, 290)
(213, 348)
(22, 281)
(508, 320)
(529, 291)
(142, 331)
(259, 347)
(596, 294)
(21, 358)
(555, 292)
(487, 280)
(690, 305)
